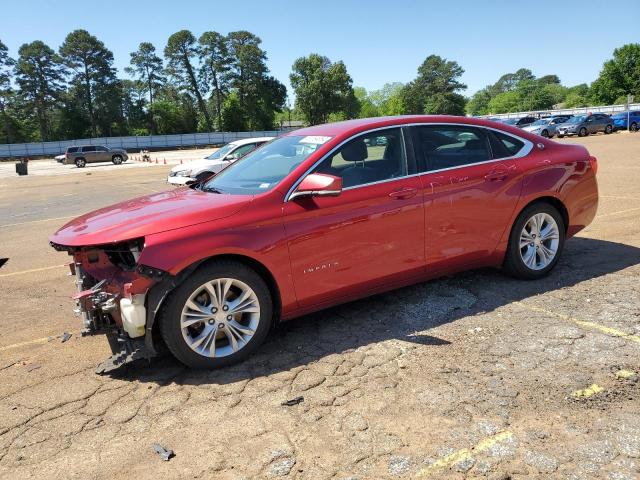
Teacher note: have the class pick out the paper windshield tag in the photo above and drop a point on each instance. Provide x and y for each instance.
(315, 139)
(264, 185)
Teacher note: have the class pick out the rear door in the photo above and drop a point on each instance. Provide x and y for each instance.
(372, 234)
(102, 154)
(89, 154)
(471, 187)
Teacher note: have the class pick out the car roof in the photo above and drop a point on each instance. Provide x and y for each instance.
(350, 127)
(244, 141)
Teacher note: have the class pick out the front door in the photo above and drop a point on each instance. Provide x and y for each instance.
(470, 192)
(372, 234)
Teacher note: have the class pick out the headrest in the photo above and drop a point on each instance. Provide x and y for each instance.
(474, 144)
(354, 151)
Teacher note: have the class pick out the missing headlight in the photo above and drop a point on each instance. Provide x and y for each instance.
(125, 254)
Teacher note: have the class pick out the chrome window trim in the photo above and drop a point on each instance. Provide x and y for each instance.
(523, 152)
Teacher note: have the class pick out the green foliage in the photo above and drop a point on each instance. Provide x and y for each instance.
(322, 88)
(216, 66)
(435, 90)
(619, 77)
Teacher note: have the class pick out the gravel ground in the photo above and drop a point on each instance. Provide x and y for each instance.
(471, 376)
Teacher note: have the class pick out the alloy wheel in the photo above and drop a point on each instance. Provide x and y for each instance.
(220, 317)
(539, 241)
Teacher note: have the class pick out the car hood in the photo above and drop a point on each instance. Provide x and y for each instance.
(149, 214)
(531, 128)
(198, 165)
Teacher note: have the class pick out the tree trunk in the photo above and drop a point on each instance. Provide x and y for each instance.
(196, 91)
(87, 83)
(216, 87)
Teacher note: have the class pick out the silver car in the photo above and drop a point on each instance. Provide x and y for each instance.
(546, 127)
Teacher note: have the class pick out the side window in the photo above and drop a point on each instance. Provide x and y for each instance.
(243, 150)
(72, 149)
(505, 145)
(89, 149)
(442, 146)
(369, 158)
(101, 149)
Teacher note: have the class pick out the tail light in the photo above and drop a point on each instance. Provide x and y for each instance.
(593, 161)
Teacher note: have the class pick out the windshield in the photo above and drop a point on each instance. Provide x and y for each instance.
(218, 154)
(510, 121)
(542, 121)
(264, 168)
(577, 119)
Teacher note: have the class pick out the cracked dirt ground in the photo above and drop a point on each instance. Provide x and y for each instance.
(476, 375)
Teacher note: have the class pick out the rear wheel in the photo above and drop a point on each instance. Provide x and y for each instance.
(608, 129)
(218, 316)
(201, 177)
(80, 162)
(536, 242)
(117, 159)
(582, 132)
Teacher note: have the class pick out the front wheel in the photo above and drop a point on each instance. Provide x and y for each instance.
(535, 243)
(545, 133)
(218, 316)
(117, 159)
(634, 127)
(608, 129)
(582, 132)
(80, 162)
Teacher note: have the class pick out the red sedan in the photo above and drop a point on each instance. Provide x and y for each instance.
(321, 216)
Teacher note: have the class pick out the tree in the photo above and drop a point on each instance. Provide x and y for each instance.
(216, 66)
(260, 96)
(147, 67)
(577, 96)
(388, 99)
(321, 87)
(181, 49)
(435, 90)
(232, 116)
(39, 73)
(91, 65)
(6, 92)
(366, 108)
(478, 104)
(620, 76)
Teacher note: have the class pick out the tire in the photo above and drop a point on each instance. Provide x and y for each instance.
(80, 162)
(203, 176)
(117, 159)
(560, 136)
(634, 127)
(515, 264)
(608, 129)
(545, 133)
(191, 344)
(583, 132)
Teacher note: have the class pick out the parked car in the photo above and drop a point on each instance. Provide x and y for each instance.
(546, 126)
(199, 170)
(582, 125)
(317, 217)
(622, 120)
(60, 158)
(84, 154)
(520, 121)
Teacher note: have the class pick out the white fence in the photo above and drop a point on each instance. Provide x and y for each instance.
(133, 143)
(609, 109)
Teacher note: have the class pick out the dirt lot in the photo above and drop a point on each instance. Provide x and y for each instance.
(477, 375)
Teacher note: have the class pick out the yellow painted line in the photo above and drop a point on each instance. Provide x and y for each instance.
(589, 325)
(618, 212)
(624, 374)
(37, 341)
(588, 392)
(33, 270)
(37, 221)
(465, 453)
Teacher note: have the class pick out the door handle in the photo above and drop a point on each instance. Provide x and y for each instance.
(496, 175)
(406, 192)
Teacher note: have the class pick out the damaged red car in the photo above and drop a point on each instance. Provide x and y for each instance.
(317, 217)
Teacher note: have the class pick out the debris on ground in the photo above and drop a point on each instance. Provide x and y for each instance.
(163, 452)
(66, 336)
(293, 401)
(3, 261)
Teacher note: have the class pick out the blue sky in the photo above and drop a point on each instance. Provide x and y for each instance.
(379, 41)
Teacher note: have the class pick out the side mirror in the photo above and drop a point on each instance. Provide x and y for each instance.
(318, 185)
